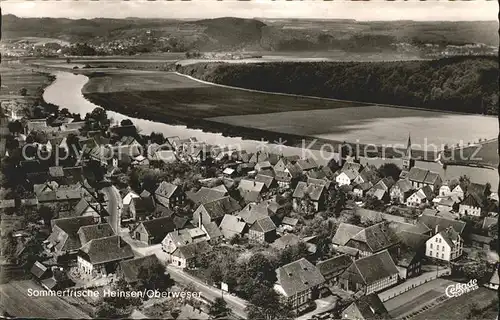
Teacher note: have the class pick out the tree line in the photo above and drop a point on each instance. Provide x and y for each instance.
(460, 84)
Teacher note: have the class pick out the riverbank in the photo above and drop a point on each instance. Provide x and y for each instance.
(66, 92)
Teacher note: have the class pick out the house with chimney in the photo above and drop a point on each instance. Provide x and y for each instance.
(436, 224)
(368, 174)
(445, 245)
(94, 231)
(231, 226)
(299, 284)
(370, 274)
(374, 239)
(251, 190)
(346, 177)
(422, 177)
(360, 190)
(169, 195)
(101, 256)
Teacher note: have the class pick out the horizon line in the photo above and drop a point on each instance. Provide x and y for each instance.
(244, 18)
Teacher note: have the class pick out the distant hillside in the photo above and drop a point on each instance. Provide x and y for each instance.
(255, 35)
(212, 34)
(461, 84)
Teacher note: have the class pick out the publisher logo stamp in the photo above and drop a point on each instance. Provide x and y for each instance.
(458, 289)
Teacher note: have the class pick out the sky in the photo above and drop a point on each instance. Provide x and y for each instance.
(433, 10)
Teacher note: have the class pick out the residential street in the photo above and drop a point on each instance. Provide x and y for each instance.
(208, 292)
(114, 207)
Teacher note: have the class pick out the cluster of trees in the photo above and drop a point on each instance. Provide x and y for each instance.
(247, 276)
(461, 84)
(152, 278)
(251, 278)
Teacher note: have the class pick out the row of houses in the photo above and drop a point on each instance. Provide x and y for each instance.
(415, 187)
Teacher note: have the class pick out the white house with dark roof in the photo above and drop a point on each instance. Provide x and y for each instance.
(421, 196)
(346, 177)
(153, 231)
(128, 197)
(370, 274)
(447, 245)
(102, 255)
(472, 205)
(183, 256)
(298, 283)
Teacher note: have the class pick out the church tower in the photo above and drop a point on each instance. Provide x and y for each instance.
(408, 161)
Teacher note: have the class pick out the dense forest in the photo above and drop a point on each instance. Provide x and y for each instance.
(460, 84)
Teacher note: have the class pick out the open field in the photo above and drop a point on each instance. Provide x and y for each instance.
(173, 95)
(15, 301)
(374, 124)
(416, 298)
(460, 307)
(176, 97)
(15, 78)
(484, 153)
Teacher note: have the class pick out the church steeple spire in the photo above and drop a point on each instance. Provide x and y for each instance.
(408, 161)
(408, 147)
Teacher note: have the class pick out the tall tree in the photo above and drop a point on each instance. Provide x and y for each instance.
(266, 305)
(219, 308)
(154, 277)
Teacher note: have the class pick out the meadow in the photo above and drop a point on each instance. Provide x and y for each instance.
(14, 295)
(172, 95)
(375, 124)
(460, 307)
(14, 78)
(179, 99)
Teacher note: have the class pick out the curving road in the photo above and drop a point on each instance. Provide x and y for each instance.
(114, 207)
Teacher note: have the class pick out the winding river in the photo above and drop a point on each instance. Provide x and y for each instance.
(66, 92)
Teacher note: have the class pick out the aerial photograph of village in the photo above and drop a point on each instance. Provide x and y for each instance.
(239, 160)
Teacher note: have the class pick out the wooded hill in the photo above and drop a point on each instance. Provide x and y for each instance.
(460, 84)
(231, 33)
